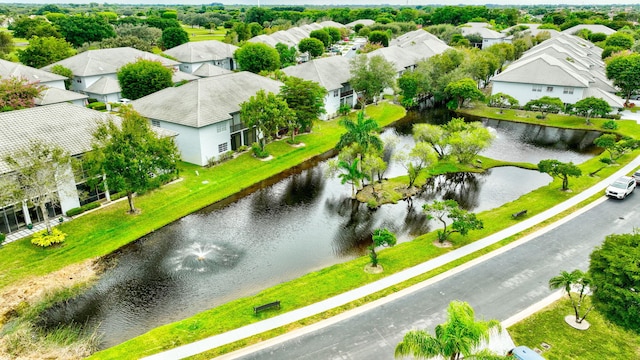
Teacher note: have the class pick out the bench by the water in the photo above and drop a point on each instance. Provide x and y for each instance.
(519, 214)
(275, 304)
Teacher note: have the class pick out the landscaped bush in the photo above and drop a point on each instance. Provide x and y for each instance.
(118, 195)
(83, 208)
(221, 158)
(613, 116)
(43, 239)
(2, 238)
(242, 148)
(610, 125)
(605, 160)
(258, 152)
(97, 106)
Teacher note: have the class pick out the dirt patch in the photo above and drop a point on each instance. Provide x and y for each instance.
(444, 244)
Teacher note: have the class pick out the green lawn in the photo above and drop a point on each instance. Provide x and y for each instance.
(603, 340)
(202, 34)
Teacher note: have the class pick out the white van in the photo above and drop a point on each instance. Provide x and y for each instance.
(524, 353)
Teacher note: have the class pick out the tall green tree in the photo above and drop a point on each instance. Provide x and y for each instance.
(363, 133)
(463, 90)
(26, 27)
(173, 36)
(560, 170)
(256, 57)
(306, 99)
(379, 37)
(130, 154)
(351, 174)
(458, 337)
(313, 46)
(370, 76)
(568, 280)
(422, 156)
(40, 171)
(381, 237)
(615, 147)
(591, 106)
(63, 71)
(287, 54)
(6, 44)
(143, 77)
(615, 275)
(267, 112)
(321, 35)
(502, 101)
(545, 105)
(143, 32)
(462, 220)
(80, 29)
(469, 141)
(624, 70)
(18, 93)
(43, 51)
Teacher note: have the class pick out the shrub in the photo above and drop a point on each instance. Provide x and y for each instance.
(258, 152)
(2, 238)
(610, 125)
(242, 148)
(605, 160)
(344, 109)
(83, 208)
(117, 195)
(43, 239)
(97, 105)
(538, 116)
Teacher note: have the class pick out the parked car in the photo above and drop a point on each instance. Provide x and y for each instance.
(621, 187)
(636, 175)
(523, 353)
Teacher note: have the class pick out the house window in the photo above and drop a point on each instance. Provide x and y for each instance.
(222, 147)
(155, 123)
(79, 81)
(221, 127)
(568, 91)
(536, 88)
(336, 93)
(549, 88)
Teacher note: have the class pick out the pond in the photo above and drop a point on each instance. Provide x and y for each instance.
(304, 222)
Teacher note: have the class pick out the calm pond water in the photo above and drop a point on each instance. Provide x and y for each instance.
(302, 223)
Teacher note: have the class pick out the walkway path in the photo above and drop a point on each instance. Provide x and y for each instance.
(391, 280)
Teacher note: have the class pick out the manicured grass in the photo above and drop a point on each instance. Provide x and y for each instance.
(603, 340)
(101, 232)
(202, 34)
(342, 277)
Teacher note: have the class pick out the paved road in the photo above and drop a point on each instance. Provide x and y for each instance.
(497, 289)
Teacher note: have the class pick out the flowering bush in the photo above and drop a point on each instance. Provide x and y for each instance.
(43, 239)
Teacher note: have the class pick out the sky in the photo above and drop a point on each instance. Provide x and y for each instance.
(341, 3)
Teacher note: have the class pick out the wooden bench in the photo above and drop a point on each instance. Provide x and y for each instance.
(275, 304)
(519, 214)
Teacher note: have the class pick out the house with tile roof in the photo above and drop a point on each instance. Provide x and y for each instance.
(293, 36)
(193, 55)
(422, 43)
(206, 113)
(566, 67)
(489, 37)
(95, 71)
(332, 73)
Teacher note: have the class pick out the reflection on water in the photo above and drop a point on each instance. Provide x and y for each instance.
(300, 224)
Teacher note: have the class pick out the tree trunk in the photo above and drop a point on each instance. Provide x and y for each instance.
(45, 215)
(565, 182)
(132, 208)
(373, 256)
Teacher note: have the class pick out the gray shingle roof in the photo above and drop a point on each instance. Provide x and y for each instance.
(179, 76)
(103, 86)
(480, 28)
(106, 61)
(292, 36)
(613, 100)
(11, 69)
(413, 37)
(365, 22)
(64, 124)
(330, 72)
(595, 28)
(201, 51)
(208, 70)
(54, 96)
(205, 101)
(543, 70)
(401, 58)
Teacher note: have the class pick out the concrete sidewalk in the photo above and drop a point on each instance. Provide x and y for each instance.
(342, 299)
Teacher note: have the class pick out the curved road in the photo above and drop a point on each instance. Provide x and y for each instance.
(497, 288)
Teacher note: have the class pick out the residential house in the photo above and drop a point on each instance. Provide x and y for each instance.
(293, 36)
(206, 113)
(420, 42)
(594, 28)
(364, 22)
(489, 37)
(193, 55)
(332, 73)
(532, 29)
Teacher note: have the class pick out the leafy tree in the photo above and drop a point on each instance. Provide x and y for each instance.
(267, 112)
(130, 154)
(313, 46)
(43, 51)
(597, 37)
(615, 275)
(125, 41)
(380, 37)
(421, 157)
(6, 44)
(334, 34)
(256, 57)
(160, 23)
(381, 237)
(466, 143)
(351, 174)
(614, 146)
(363, 133)
(434, 135)
(462, 220)
(567, 280)
(591, 106)
(143, 77)
(173, 36)
(370, 76)
(624, 70)
(463, 90)
(458, 337)
(545, 105)
(150, 35)
(482, 65)
(502, 101)
(306, 99)
(40, 170)
(18, 93)
(408, 83)
(26, 27)
(374, 165)
(560, 170)
(322, 36)
(63, 71)
(620, 40)
(78, 29)
(287, 54)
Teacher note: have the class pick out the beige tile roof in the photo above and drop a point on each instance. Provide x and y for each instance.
(107, 61)
(205, 101)
(201, 51)
(330, 72)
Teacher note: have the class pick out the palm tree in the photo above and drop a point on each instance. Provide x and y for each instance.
(351, 174)
(457, 337)
(362, 132)
(567, 280)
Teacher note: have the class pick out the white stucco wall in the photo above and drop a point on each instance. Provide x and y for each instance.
(58, 84)
(211, 136)
(488, 42)
(524, 92)
(86, 81)
(331, 104)
(198, 145)
(187, 141)
(67, 191)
